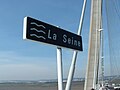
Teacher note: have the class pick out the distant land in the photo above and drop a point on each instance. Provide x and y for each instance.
(115, 78)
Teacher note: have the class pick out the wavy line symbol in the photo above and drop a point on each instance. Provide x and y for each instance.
(38, 36)
(38, 30)
(38, 25)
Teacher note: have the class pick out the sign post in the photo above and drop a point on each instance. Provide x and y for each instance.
(74, 58)
(60, 69)
(42, 32)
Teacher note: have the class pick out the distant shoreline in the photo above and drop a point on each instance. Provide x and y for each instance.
(76, 85)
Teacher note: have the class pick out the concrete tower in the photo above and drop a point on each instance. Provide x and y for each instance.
(91, 78)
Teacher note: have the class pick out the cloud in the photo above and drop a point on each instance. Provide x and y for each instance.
(16, 67)
(26, 72)
(14, 57)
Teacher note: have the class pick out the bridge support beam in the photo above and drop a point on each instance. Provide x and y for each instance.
(94, 46)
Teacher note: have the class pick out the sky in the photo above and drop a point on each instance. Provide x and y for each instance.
(26, 60)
